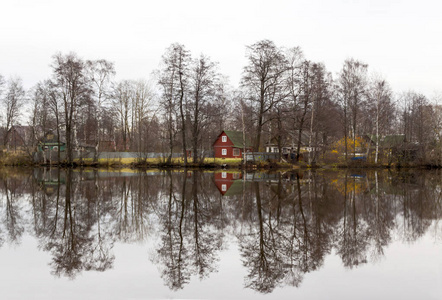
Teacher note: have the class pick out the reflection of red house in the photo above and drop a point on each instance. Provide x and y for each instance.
(227, 182)
(230, 144)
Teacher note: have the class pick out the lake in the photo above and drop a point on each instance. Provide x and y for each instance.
(127, 234)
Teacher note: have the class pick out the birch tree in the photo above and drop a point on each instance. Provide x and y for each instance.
(380, 96)
(142, 107)
(100, 74)
(351, 88)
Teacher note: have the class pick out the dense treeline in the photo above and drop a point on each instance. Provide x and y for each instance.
(283, 100)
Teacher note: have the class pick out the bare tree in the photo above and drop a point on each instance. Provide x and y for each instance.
(380, 96)
(142, 106)
(204, 85)
(293, 82)
(416, 111)
(322, 110)
(2, 84)
(305, 102)
(437, 125)
(71, 81)
(55, 105)
(262, 79)
(173, 79)
(352, 89)
(100, 73)
(122, 96)
(12, 102)
(41, 119)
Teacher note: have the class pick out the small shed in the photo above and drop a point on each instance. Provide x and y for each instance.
(230, 144)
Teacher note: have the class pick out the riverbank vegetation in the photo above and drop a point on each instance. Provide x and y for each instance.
(284, 102)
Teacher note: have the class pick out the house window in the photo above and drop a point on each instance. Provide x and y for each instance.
(224, 152)
(223, 174)
(223, 187)
(236, 152)
(224, 139)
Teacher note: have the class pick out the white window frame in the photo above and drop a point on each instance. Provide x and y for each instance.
(223, 187)
(224, 152)
(224, 139)
(223, 174)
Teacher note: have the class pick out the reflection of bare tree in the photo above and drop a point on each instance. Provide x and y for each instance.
(205, 239)
(416, 206)
(380, 219)
(191, 236)
(61, 245)
(353, 232)
(260, 251)
(291, 235)
(172, 252)
(135, 193)
(311, 234)
(99, 257)
(68, 244)
(12, 219)
(72, 229)
(285, 225)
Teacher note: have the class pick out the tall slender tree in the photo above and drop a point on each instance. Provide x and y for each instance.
(352, 85)
(122, 100)
(204, 86)
(173, 79)
(100, 73)
(380, 97)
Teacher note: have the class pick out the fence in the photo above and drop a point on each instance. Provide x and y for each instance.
(52, 156)
(260, 156)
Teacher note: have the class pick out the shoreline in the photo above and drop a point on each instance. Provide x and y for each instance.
(263, 166)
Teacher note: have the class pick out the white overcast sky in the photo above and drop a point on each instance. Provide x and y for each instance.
(401, 40)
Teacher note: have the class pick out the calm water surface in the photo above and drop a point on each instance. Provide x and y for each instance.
(224, 235)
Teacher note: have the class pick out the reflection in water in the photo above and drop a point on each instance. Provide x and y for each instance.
(190, 232)
(284, 224)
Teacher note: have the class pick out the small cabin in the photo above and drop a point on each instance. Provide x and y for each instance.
(230, 144)
(51, 143)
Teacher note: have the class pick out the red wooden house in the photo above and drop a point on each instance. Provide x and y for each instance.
(230, 144)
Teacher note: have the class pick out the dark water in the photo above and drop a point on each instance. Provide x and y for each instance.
(173, 235)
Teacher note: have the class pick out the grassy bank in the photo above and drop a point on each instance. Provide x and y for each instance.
(18, 158)
(15, 158)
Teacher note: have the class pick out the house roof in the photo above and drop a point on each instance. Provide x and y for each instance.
(389, 140)
(51, 139)
(394, 140)
(236, 138)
